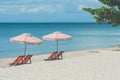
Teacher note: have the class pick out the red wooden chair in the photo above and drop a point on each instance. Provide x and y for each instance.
(18, 61)
(27, 58)
(59, 55)
(52, 56)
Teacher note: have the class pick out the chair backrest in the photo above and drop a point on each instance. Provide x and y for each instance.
(18, 60)
(60, 55)
(53, 55)
(27, 58)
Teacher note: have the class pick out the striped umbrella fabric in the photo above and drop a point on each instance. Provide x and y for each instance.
(26, 39)
(57, 36)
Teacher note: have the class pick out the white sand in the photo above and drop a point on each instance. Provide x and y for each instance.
(100, 64)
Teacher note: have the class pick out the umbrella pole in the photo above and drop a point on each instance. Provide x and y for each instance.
(25, 50)
(57, 45)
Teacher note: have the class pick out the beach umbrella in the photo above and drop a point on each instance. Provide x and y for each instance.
(57, 36)
(26, 39)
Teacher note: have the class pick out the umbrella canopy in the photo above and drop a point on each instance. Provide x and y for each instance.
(26, 39)
(57, 36)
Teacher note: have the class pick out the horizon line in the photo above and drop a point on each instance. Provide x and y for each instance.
(43, 22)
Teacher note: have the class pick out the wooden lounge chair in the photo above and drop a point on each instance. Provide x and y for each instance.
(52, 56)
(18, 61)
(59, 55)
(27, 58)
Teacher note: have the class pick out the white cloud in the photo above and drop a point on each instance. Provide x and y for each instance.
(39, 6)
(37, 9)
(88, 0)
(83, 1)
(26, 1)
(94, 0)
(17, 2)
(82, 6)
(21, 9)
(2, 10)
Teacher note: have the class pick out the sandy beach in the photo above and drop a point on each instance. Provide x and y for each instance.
(99, 64)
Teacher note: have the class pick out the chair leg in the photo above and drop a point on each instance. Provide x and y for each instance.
(30, 61)
(61, 56)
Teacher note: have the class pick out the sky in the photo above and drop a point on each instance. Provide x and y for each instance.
(46, 10)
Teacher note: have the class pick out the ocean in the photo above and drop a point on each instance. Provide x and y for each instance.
(86, 36)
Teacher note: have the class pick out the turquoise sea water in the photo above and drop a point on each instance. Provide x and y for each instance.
(85, 36)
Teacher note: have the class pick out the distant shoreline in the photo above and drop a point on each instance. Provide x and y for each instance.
(70, 51)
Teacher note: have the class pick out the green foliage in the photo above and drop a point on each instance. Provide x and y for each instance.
(107, 14)
(112, 3)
